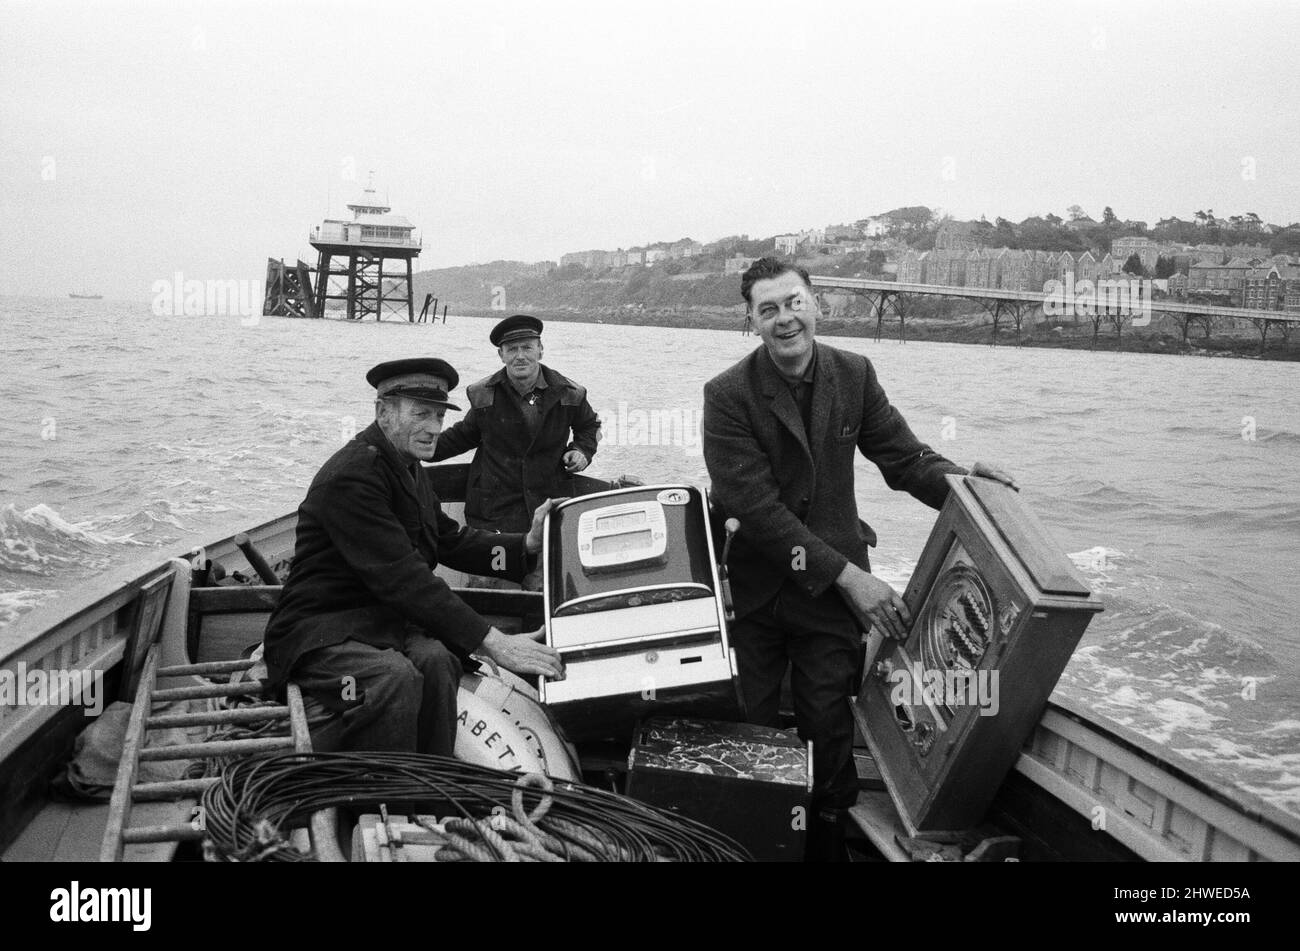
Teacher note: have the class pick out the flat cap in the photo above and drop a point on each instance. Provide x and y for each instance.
(516, 327)
(427, 379)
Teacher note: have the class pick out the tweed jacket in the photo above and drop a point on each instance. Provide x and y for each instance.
(793, 492)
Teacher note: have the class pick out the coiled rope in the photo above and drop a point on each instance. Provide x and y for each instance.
(493, 816)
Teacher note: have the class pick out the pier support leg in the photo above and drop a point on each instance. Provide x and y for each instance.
(322, 282)
(994, 309)
(352, 287)
(410, 292)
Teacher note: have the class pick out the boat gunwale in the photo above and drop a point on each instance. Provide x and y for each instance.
(1249, 804)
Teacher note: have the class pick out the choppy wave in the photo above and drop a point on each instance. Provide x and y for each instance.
(13, 604)
(1281, 437)
(39, 541)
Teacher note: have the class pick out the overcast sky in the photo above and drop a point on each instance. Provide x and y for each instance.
(140, 139)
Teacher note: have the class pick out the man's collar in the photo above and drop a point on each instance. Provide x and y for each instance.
(502, 377)
(805, 377)
(374, 435)
(538, 384)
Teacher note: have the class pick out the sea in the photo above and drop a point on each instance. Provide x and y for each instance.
(1172, 482)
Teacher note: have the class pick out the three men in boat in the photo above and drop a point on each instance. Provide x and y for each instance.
(373, 637)
(780, 432)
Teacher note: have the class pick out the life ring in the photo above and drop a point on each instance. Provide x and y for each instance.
(488, 737)
(521, 713)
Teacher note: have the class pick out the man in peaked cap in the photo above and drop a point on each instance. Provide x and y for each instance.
(373, 637)
(519, 422)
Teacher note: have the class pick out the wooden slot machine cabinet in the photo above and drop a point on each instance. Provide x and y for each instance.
(997, 611)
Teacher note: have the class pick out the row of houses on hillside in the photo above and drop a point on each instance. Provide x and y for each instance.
(1265, 285)
(1006, 268)
(647, 256)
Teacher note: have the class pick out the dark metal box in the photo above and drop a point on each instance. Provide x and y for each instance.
(749, 782)
(997, 611)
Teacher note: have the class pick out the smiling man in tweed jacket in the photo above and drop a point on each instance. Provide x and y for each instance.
(781, 429)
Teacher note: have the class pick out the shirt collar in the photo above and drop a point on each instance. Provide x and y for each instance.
(539, 385)
(806, 377)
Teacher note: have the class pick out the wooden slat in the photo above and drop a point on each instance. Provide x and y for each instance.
(217, 717)
(875, 816)
(1124, 829)
(176, 833)
(20, 724)
(236, 598)
(150, 607)
(203, 670)
(298, 719)
(219, 748)
(249, 688)
(119, 807)
(172, 788)
(1141, 834)
(324, 822)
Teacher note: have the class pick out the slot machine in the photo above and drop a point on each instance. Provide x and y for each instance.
(997, 610)
(636, 610)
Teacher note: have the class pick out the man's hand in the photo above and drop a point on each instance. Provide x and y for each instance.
(522, 653)
(986, 471)
(575, 460)
(533, 540)
(874, 602)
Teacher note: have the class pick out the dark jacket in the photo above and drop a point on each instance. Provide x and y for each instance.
(369, 536)
(794, 496)
(512, 472)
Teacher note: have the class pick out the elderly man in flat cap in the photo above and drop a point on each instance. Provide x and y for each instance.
(520, 423)
(372, 636)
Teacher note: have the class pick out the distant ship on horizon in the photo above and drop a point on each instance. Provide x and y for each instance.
(86, 296)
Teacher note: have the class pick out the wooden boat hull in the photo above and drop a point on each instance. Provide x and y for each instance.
(1082, 789)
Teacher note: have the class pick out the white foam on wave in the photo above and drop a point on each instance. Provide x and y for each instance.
(39, 540)
(1284, 727)
(13, 604)
(1097, 560)
(41, 516)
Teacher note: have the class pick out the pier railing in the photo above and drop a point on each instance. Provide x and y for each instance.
(354, 236)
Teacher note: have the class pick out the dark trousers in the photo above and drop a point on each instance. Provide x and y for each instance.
(359, 697)
(818, 640)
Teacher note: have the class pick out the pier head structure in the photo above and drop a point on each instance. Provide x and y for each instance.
(366, 261)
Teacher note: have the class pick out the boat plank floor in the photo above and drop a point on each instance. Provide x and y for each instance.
(874, 814)
(73, 832)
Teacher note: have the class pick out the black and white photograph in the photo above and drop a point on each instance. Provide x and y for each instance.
(829, 433)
